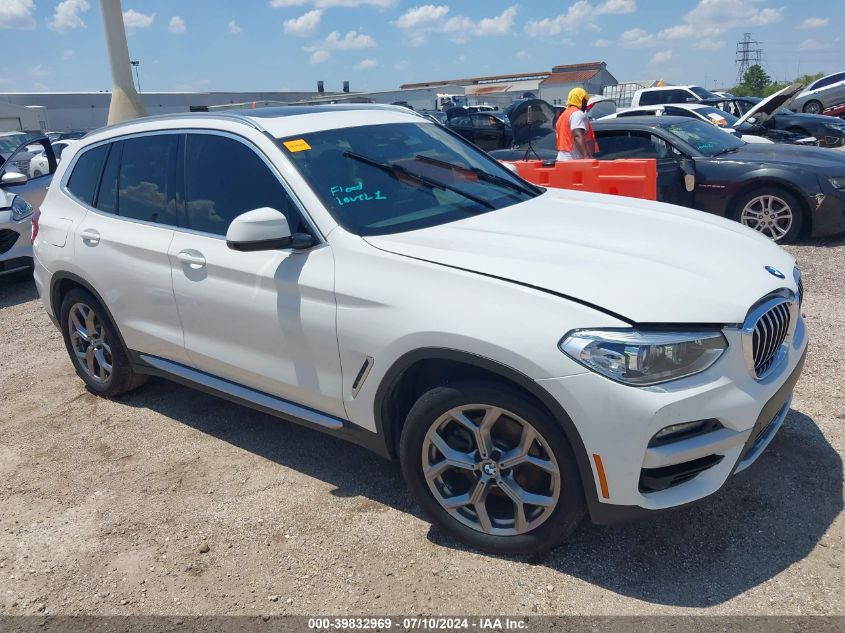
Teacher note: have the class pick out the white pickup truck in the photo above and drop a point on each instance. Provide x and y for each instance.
(670, 94)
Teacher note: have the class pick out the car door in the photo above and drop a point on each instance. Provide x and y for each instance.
(489, 131)
(128, 189)
(266, 319)
(463, 126)
(624, 144)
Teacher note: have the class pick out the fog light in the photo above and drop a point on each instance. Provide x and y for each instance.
(684, 430)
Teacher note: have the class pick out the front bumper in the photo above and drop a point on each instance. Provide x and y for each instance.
(616, 423)
(828, 215)
(15, 246)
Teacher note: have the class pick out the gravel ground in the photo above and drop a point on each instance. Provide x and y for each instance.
(169, 501)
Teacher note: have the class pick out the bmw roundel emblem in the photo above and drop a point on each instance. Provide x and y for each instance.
(774, 271)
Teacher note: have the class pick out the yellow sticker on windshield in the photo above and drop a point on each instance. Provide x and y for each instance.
(299, 145)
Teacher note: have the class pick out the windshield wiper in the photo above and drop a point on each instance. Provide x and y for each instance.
(393, 170)
(729, 150)
(480, 173)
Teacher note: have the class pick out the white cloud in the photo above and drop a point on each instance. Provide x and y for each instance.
(602, 43)
(636, 38)
(234, 29)
(17, 14)
(177, 25)
(578, 16)
(402, 65)
(661, 57)
(66, 16)
(616, 7)
(320, 56)
(522, 55)
(364, 64)
(305, 24)
(321, 51)
(68, 53)
(812, 45)
(711, 18)
(425, 15)
(814, 23)
(422, 20)
(328, 4)
(132, 19)
(710, 45)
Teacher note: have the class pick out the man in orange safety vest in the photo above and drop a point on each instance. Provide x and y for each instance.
(575, 137)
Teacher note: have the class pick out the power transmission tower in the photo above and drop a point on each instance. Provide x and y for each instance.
(748, 53)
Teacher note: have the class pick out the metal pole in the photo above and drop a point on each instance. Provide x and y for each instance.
(136, 63)
(125, 102)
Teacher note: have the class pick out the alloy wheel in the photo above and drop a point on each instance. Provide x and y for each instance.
(89, 343)
(770, 215)
(491, 470)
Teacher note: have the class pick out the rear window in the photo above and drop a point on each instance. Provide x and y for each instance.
(86, 174)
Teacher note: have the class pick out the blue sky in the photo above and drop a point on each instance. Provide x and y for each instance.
(378, 44)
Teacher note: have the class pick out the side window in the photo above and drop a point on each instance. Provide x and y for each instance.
(223, 179)
(618, 144)
(146, 181)
(107, 197)
(484, 121)
(58, 148)
(651, 97)
(86, 174)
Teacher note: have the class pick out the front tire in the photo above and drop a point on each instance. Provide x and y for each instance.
(491, 468)
(772, 211)
(94, 346)
(813, 107)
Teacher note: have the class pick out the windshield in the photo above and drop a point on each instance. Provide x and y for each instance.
(702, 93)
(9, 144)
(705, 138)
(381, 179)
(717, 116)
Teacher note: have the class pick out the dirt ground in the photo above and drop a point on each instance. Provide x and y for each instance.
(169, 501)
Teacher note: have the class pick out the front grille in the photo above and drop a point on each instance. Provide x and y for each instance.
(769, 333)
(8, 238)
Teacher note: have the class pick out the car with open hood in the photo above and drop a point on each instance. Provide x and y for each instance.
(828, 131)
(527, 354)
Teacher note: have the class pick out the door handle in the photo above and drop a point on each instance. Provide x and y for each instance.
(90, 236)
(191, 258)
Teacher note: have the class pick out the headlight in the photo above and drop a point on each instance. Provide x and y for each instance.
(644, 358)
(834, 127)
(838, 183)
(20, 209)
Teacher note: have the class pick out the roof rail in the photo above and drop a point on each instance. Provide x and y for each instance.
(182, 115)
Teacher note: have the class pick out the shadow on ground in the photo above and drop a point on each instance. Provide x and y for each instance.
(765, 519)
(16, 288)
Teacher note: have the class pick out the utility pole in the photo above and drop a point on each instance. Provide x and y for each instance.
(748, 53)
(135, 63)
(125, 102)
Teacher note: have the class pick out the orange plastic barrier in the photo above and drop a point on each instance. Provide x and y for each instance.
(634, 178)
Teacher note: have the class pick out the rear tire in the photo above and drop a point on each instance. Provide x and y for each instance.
(813, 107)
(485, 500)
(94, 346)
(771, 211)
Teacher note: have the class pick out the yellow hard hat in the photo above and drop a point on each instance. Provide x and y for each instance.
(576, 97)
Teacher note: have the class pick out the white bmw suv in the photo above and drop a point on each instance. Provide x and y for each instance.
(527, 354)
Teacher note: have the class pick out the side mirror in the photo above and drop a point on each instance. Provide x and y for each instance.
(11, 178)
(688, 169)
(264, 229)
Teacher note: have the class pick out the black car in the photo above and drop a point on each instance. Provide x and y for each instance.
(782, 191)
(488, 130)
(828, 130)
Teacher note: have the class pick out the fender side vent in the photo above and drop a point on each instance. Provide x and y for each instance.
(362, 375)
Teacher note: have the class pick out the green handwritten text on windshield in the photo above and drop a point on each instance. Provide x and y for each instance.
(355, 193)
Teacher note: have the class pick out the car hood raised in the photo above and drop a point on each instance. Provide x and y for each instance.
(647, 262)
(768, 106)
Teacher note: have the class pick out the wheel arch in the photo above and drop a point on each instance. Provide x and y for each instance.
(406, 379)
(62, 283)
(780, 183)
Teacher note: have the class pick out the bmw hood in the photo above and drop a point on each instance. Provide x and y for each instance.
(647, 262)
